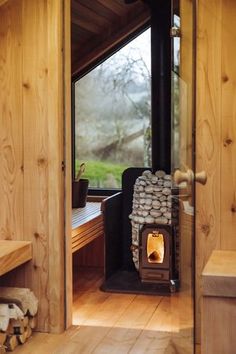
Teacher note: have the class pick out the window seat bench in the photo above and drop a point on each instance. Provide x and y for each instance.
(87, 225)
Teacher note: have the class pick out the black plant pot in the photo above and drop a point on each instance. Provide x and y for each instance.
(79, 193)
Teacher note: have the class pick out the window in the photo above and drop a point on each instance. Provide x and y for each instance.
(113, 115)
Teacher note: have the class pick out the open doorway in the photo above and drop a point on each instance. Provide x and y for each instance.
(112, 131)
(103, 312)
(103, 133)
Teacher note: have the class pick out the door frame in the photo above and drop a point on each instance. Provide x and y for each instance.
(67, 160)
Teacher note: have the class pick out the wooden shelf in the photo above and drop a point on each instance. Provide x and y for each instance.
(219, 303)
(13, 254)
(219, 274)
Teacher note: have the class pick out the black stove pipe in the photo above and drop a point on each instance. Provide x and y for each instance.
(161, 22)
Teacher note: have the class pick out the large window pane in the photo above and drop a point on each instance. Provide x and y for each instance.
(113, 114)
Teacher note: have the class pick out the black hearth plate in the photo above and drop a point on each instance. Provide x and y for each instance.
(128, 282)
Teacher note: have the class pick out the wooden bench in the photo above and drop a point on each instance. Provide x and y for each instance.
(13, 254)
(219, 304)
(87, 225)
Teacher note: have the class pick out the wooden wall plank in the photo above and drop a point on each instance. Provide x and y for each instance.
(56, 195)
(11, 135)
(32, 148)
(208, 137)
(36, 163)
(228, 119)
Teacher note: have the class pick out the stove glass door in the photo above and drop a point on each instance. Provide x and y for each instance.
(155, 247)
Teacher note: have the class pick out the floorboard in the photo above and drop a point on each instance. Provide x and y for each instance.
(119, 323)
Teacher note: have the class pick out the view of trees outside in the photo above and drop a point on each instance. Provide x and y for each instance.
(113, 114)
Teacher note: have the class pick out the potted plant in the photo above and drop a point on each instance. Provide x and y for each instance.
(80, 189)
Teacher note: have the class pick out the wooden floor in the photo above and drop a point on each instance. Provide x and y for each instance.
(119, 323)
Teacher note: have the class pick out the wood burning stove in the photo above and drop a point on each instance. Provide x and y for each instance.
(156, 255)
(157, 268)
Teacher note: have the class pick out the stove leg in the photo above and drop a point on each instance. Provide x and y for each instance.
(174, 285)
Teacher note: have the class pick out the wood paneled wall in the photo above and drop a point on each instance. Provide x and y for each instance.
(32, 99)
(215, 133)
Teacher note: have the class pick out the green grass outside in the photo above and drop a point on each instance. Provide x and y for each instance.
(102, 174)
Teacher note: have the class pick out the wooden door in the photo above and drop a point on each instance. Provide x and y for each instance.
(215, 134)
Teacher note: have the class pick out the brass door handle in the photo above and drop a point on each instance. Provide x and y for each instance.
(190, 177)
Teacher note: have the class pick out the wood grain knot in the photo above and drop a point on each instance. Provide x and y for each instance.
(233, 208)
(26, 85)
(205, 228)
(22, 168)
(227, 141)
(36, 235)
(225, 78)
(41, 161)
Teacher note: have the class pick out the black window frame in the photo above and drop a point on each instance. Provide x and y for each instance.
(161, 12)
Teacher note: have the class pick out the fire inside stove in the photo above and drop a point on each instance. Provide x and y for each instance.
(155, 247)
(155, 257)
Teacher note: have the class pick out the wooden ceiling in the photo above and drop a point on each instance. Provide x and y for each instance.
(98, 26)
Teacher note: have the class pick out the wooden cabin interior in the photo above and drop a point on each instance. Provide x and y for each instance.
(69, 257)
